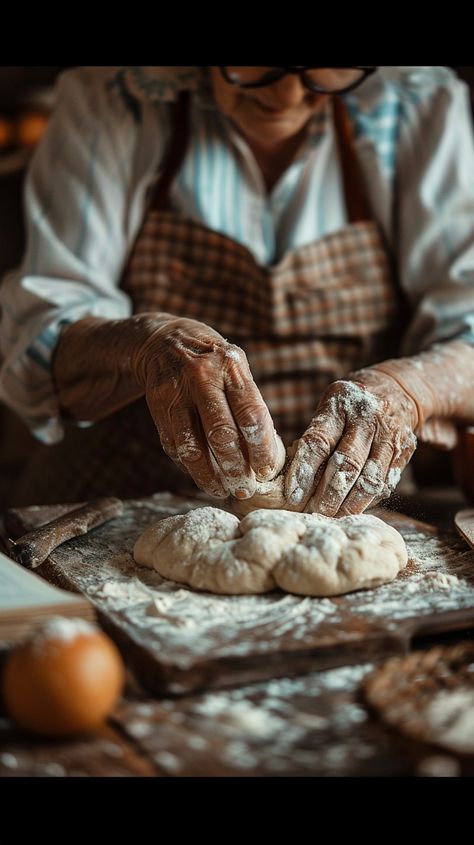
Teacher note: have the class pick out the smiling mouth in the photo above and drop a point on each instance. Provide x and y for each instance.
(267, 110)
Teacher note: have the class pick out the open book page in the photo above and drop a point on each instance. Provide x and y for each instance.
(26, 599)
(20, 588)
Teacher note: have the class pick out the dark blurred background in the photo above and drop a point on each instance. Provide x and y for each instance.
(15, 80)
(26, 99)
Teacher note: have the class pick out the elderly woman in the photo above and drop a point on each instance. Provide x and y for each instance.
(251, 250)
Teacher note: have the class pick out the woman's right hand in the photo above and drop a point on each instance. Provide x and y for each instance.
(210, 415)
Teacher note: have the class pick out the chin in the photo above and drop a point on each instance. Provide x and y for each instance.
(271, 129)
(270, 134)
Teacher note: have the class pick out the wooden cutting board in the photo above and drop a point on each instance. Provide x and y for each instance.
(177, 640)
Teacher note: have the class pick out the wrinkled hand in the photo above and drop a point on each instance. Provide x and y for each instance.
(209, 413)
(214, 423)
(352, 454)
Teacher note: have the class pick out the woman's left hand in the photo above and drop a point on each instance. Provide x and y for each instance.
(353, 452)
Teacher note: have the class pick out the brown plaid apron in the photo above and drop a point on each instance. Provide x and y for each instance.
(322, 310)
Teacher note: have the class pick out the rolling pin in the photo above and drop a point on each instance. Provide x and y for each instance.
(32, 549)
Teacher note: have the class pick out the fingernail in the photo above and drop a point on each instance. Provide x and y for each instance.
(242, 493)
(265, 472)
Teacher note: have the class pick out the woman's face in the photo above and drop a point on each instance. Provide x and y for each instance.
(268, 115)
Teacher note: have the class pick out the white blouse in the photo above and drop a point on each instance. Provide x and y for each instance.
(86, 188)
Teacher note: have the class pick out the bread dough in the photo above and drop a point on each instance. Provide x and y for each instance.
(306, 554)
(269, 494)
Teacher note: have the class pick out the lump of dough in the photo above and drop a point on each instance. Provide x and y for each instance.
(306, 554)
(269, 494)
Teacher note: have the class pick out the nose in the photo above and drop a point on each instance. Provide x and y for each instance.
(288, 92)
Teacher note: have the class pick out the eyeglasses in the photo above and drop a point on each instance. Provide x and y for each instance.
(319, 80)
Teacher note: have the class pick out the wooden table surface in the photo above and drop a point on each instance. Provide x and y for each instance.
(313, 724)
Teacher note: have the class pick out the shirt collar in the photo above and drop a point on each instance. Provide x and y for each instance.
(316, 129)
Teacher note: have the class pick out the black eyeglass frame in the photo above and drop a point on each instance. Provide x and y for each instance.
(280, 72)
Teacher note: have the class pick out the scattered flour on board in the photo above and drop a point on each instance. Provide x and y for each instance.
(450, 719)
(442, 580)
(285, 723)
(438, 766)
(9, 760)
(184, 625)
(190, 623)
(123, 592)
(53, 770)
(168, 761)
(240, 716)
(438, 580)
(280, 725)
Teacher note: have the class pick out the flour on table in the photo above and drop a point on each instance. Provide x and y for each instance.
(305, 554)
(450, 719)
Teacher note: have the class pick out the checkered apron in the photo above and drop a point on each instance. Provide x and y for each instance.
(324, 309)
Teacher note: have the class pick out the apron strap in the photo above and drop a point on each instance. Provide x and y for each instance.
(357, 206)
(174, 154)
